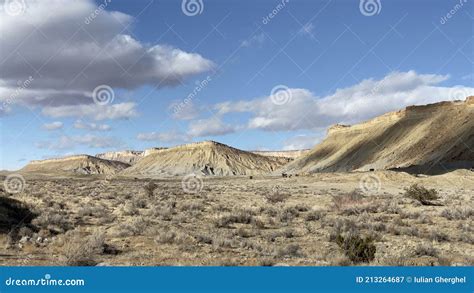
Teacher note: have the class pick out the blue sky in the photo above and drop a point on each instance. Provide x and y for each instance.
(260, 82)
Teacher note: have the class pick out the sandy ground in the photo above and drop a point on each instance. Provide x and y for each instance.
(241, 221)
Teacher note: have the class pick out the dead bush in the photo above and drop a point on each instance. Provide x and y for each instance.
(425, 250)
(276, 195)
(314, 215)
(353, 203)
(458, 213)
(165, 237)
(238, 216)
(150, 188)
(291, 250)
(82, 251)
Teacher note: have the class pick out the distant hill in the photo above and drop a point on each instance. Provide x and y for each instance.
(80, 164)
(204, 158)
(128, 157)
(422, 139)
(282, 154)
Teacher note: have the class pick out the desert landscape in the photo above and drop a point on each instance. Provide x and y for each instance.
(397, 190)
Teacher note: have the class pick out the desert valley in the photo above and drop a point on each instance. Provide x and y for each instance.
(397, 190)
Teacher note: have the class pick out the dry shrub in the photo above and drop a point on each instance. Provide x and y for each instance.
(353, 203)
(82, 251)
(458, 213)
(276, 196)
(421, 194)
(425, 250)
(315, 215)
(165, 237)
(150, 188)
(291, 250)
(238, 216)
(356, 248)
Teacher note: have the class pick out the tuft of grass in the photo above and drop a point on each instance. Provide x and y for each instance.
(423, 195)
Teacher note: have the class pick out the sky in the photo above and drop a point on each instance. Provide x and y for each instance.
(94, 76)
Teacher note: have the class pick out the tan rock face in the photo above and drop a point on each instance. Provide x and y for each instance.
(80, 164)
(291, 155)
(421, 137)
(129, 157)
(204, 158)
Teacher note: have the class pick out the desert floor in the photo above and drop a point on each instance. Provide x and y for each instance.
(241, 221)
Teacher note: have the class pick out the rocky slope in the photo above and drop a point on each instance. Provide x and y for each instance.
(80, 164)
(423, 139)
(128, 157)
(282, 154)
(204, 158)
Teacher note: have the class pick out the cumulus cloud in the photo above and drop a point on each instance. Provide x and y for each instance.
(169, 137)
(369, 98)
(67, 54)
(255, 40)
(301, 142)
(70, 142)
(53, 125)
(184, 111)
(95, 112)
(210, 127)
(79, 124)
(197, 128)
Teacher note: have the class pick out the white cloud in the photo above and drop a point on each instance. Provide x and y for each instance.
(184, 111)
(210, 127)
(350, 105)
(255, 40)
(172, 136)
(53, 125)
(70, 142)
(96, 112)
(301, 142)
(79, 124)
(74, 56)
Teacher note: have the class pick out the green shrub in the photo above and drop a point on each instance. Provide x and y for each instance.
(356, 248)
(421, 194)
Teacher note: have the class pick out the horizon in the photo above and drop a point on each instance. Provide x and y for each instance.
(120, 75)
(96, 155)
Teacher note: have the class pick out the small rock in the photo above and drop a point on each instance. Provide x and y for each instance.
(24, 239)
